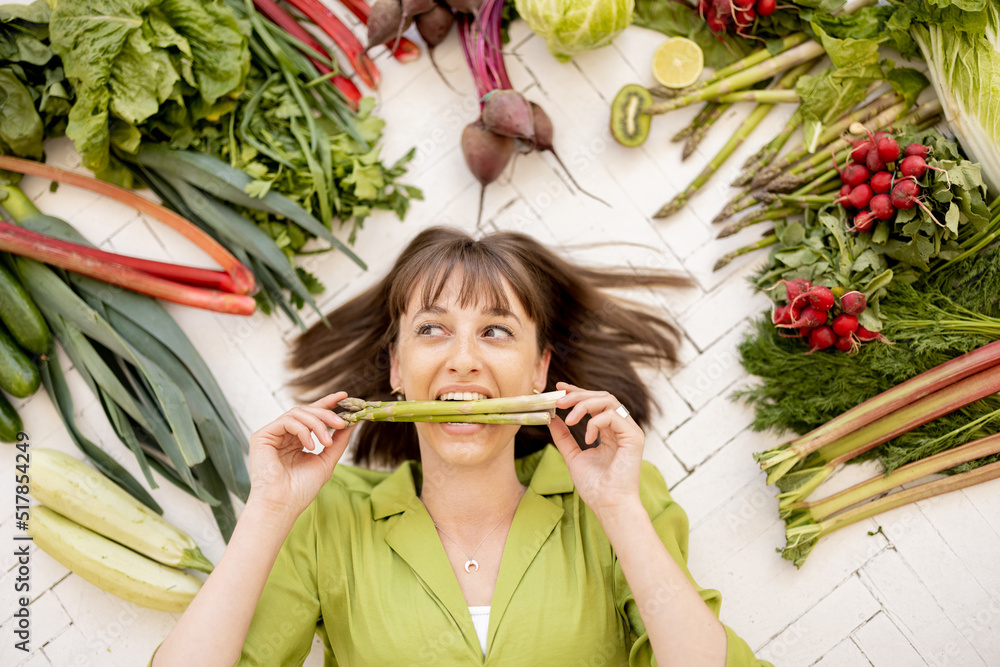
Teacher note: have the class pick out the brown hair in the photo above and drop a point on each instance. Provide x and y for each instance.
(597, 340)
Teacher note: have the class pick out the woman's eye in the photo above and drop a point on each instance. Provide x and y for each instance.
(497, 331)
(428, 330)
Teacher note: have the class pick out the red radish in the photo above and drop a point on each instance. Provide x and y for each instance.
(743, 4)
(805, 333)
(766, 7)
(844, 324)
(844, 191)
(904, 195)
(781, 314)
(866, 336)
(819, 297)
(793, 288)
(881, 206)
(882, 181)
(745, 17)
(844, 343)
(809, 318)
(716, 23)
(821, 338)
(913, 166)
(860, 152)
(854, 175)
(859, 196)
(917, 149)
(888, 149)
(544, 135)
(874, 162)
(864, 221)
(853, 303)
(487, 154)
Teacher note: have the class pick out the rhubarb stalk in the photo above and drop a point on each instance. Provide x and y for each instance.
(342, 37)
(242, 278)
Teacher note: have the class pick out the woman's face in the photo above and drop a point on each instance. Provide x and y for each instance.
(471, 352)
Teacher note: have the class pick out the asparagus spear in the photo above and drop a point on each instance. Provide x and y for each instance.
(699, 132)
(763, 157)
(508, 407)
(753, 120)
(762, 215)
(769, 239)
(696, 123)
(516, 418)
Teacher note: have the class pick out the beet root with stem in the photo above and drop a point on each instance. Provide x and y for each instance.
(433, 27)
(506, 112)
(544, 135)
(465, 6)
(386, 22)
(486, 154)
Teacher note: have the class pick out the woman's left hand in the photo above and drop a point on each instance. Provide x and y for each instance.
(606, 476)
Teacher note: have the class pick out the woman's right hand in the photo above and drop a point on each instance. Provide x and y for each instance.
(283, 477)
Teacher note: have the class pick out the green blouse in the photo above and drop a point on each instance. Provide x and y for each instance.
(364, 567)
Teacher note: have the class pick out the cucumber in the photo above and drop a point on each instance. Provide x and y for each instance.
(78, 492)
(10, 421)
(110, 566)
(21, 316)
(18, 374)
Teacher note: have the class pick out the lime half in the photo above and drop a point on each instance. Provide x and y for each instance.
(678, 62)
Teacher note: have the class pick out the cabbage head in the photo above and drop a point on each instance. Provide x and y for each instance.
(573, 26)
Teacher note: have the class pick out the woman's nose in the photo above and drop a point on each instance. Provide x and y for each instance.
(464, 358)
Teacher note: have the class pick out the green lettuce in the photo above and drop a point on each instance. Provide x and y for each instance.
(168, 62)
(573, 26)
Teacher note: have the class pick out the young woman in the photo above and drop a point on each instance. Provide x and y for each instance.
(487, 544)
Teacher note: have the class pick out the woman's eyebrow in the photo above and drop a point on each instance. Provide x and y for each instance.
(502, 312)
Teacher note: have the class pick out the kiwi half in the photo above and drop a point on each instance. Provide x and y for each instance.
(629, 122)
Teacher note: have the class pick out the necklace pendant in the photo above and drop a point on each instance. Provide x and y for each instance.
(471, 565)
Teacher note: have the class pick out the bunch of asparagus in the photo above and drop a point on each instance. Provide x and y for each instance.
(533, 410)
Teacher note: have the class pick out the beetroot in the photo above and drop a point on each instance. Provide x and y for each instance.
(854, 175)
(888, 149)
(917, 149)
(844, 343)
(487, 154)
(544, 134)
(435, 25)
(882, 181)
(414, 8)
(853, 303)
(821, 338)
(844, 324)
(507, 113)
(385, 22)
(466, 6)
(881, 206)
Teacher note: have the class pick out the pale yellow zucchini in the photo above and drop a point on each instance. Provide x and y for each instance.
(77, 491)
(110, 566)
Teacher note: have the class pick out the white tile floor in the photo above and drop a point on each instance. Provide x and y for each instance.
(925, 591)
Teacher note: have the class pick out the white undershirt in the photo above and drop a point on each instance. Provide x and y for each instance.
(481, 621)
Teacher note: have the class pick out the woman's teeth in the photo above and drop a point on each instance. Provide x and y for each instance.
(462, 396)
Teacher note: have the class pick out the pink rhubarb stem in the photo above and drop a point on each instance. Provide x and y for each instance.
(342, 36)
(286, 22)
(79, 259)
(242, 277)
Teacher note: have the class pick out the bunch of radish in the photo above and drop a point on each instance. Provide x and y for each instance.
(822, 317)
(882, 178)
(739, 15)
